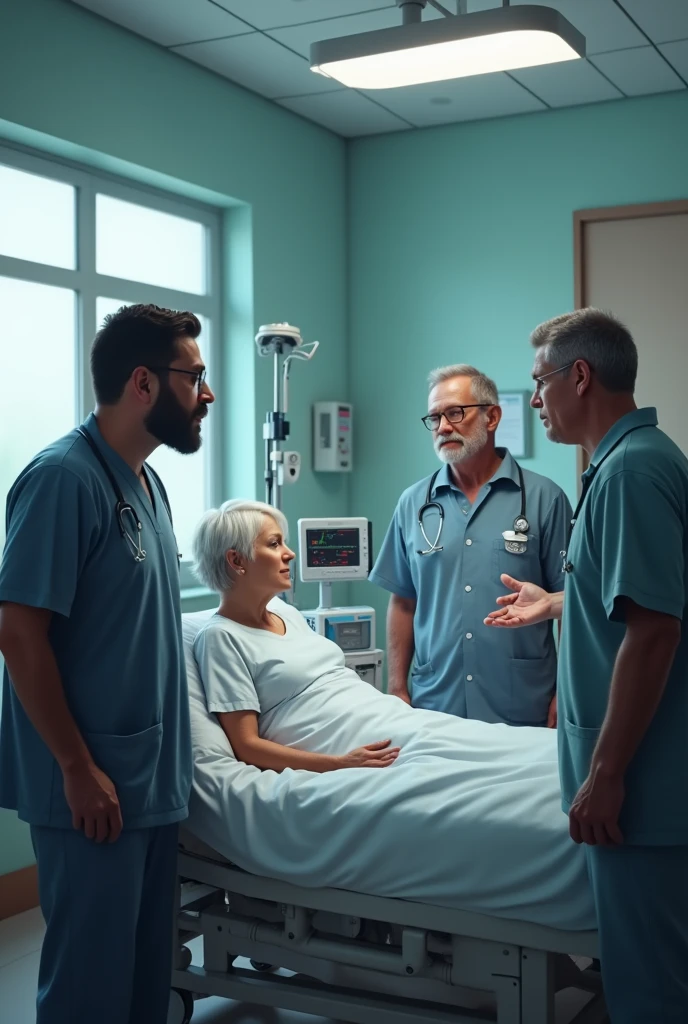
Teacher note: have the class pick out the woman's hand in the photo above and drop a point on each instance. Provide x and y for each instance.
(373, 755)
(527, 605)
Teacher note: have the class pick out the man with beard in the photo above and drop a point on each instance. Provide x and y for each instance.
(94, 742)
(443, 583)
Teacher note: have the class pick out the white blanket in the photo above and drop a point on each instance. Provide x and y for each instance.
(469, 816)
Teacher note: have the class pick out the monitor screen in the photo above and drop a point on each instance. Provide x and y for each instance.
(328, 549)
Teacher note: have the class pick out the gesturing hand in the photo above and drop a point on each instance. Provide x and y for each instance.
(92, 799)
(527, 605)
(373, 755)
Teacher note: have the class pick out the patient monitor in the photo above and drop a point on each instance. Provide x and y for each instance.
(332, 550)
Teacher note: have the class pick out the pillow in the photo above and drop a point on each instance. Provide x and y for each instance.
(208, 738)
(192, 624)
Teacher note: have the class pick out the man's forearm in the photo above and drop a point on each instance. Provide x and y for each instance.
(556, 604)
(640, 675)
(37, 683)
(400, 644)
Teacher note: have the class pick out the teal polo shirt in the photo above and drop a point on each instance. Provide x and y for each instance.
(630, 541)
(462, 666)
(115, 632)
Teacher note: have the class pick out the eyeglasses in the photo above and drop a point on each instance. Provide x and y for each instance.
(540, 381)
(453, 416)
(198, 375)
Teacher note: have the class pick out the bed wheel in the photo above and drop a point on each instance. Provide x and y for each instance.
(258, 965)
(181, 1006)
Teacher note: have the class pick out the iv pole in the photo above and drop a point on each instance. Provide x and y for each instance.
(279, 340)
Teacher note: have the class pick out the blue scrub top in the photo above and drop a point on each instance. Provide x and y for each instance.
(630, 541)
(115, 632)
(462, 666)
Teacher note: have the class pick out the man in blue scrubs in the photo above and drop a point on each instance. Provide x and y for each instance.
(440, 599)
(623, 667)
(95, 744)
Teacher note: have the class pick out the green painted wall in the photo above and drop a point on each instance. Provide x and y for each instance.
(459, 239)
(77, 86)
(460, 242)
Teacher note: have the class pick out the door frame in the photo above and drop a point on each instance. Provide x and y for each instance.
(581, 219)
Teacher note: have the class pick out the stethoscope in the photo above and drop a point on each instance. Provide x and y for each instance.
(125, 513)
(517, 539)
(566, 565)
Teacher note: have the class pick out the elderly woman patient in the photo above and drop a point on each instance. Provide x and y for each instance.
(284, 695)
(463, 813)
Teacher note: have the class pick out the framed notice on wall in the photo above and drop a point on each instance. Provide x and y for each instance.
(514, 430)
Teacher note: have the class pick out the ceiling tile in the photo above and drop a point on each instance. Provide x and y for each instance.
(567, 84)
(677, 55)
(663, 20)
(638, 72)
(169, 21)
(345, 112)
(260, 64)
(276, 13)
(603, 24)
(300, 37)
(462, 99)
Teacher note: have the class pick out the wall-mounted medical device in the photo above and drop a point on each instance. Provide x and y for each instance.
(291, 467)
(332, 437)
(332, 550)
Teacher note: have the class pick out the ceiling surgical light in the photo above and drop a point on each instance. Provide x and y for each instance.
(457, 46)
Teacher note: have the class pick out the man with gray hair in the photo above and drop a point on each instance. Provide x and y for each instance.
(623, 666)
(452, 536)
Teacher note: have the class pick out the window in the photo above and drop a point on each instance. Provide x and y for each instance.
(74, 247)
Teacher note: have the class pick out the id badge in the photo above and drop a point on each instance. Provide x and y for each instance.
(516, 543)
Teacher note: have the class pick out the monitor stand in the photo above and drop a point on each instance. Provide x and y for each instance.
(325, 594)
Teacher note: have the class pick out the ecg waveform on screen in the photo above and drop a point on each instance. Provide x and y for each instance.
(332, 548)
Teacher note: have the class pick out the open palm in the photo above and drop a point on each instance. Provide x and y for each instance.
(526, 605)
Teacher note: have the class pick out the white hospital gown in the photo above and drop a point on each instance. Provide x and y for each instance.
(468, 816)
(306, 697)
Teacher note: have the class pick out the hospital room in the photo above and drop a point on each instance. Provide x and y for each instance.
(344, 533)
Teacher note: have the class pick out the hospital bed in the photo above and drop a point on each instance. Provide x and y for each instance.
(366, 959)
(336, 952)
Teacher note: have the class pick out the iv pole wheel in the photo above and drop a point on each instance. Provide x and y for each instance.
(181, 1007)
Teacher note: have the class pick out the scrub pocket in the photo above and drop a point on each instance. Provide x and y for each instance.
(420, 674)
(576, 752)
(131, 762)
(524, 567)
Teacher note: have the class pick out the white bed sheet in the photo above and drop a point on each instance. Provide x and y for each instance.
(484, 832)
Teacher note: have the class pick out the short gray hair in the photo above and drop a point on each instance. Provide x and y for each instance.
(596, 337)
(483, 387)
(234, 526)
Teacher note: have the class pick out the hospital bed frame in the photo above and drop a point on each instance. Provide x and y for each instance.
(366, 959)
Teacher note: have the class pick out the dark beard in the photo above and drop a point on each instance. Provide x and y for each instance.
(170, 424)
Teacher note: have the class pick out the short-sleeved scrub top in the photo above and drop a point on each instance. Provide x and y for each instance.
(115, 632)
(461, 666)
(630, 541)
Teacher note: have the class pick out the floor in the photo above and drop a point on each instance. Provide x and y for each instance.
(20, 943)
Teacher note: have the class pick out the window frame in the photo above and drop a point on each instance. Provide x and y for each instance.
(88, 285)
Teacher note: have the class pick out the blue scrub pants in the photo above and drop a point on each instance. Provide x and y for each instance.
(109, 911)
(641, 897)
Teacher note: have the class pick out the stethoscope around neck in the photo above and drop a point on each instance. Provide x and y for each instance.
(521, 524)
(125, 513)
